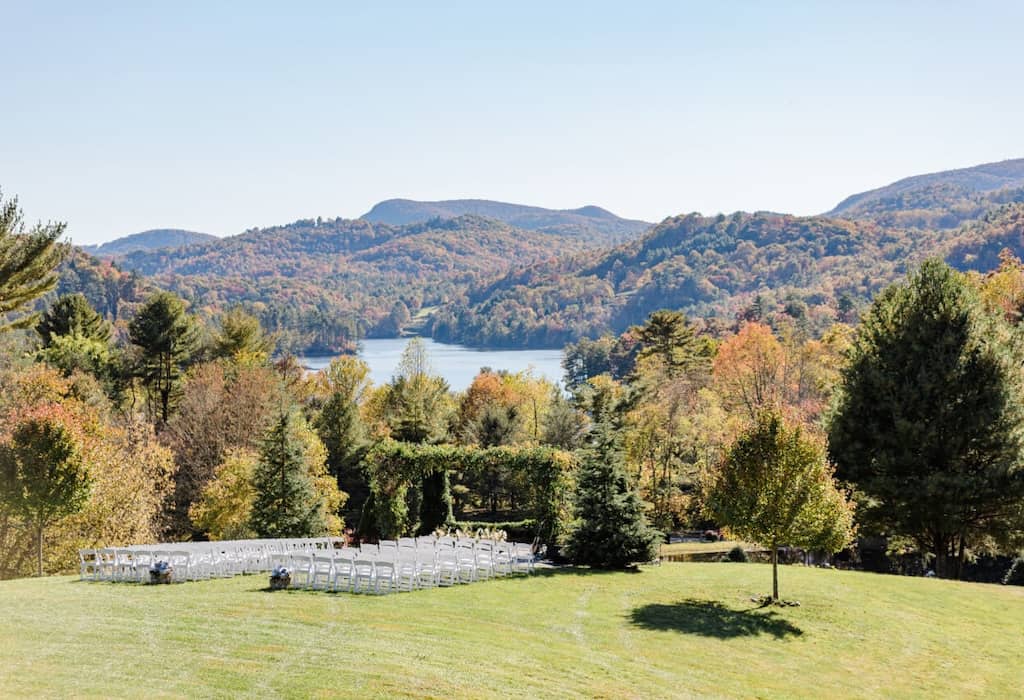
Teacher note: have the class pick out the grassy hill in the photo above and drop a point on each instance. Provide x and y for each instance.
(591, 225)
(679, 630)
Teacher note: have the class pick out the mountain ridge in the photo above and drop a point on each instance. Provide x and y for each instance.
(590, 223)
(151, 239)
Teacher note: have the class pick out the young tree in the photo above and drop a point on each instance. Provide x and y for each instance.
(774, 486)
(72, 314)
(242, 339)
(340, 426)
(286, 503)
(28, 260)
(610, 530)
(928, 422)
(418, 405)
(224, 508)
(42, 474)
(166, 337)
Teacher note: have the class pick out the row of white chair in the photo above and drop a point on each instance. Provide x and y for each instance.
(384, 571)
(444, 561)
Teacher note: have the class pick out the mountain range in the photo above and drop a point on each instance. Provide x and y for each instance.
(495, 274)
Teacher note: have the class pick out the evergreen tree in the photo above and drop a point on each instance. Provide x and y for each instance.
(286, 504)
(72, 314)
(928, 422)
(669, 336)
(241, 338)
(611, 530)
(340, 427)
(564, 426)
(28, 260)
(166, 337)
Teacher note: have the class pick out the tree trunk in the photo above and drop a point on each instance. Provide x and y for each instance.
(775, 573)
(960, 558)
(39, 550)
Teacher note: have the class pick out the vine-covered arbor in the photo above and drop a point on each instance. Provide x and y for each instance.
(403, 475)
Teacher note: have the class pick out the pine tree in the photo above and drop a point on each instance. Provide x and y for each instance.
(166, 337)
(929, 422)
(611, 530)
(669, 336)
(28, 260)
(287, 504)
(72, 314)
(241, 338)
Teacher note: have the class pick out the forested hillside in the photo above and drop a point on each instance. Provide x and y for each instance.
(326, 283)
(938, 200)
(816, 269)
(591, 225)
(533, 279)
(149, 240)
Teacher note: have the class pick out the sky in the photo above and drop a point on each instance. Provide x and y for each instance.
(219, 117)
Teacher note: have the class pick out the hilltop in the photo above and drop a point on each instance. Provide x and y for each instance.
(939, 200)
(591, 225)
(153, 239)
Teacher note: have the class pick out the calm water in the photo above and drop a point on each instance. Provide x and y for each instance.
(457, 364)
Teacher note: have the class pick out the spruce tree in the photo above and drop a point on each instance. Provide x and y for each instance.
(928, 423)
(72, 314)
(28, 260)
(287, 504)
(611, 530)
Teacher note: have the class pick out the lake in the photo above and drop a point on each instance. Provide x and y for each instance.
(456, 363)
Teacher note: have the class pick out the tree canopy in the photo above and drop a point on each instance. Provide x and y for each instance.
(929, 423)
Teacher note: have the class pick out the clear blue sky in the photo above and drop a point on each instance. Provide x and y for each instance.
(217, 117)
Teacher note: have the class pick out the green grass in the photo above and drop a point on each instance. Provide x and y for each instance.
(672, 631)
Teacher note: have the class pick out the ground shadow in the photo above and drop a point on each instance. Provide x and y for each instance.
(709, 618)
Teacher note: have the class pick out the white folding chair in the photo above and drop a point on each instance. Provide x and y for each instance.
(88, 565)
(322, 569)
(385, 577)
(302, 569)
(343, 570)
(363, 579)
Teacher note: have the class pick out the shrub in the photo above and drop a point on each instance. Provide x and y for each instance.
(737, 554)
(1015, 574)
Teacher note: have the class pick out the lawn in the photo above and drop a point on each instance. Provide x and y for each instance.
(672, 631)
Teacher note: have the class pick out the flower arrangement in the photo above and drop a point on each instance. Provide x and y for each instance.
(161, 572)
(280, 577)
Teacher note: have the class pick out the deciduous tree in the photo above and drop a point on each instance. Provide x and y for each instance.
(774, 486)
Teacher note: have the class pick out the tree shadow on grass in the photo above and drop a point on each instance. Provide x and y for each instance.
(709, 618)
